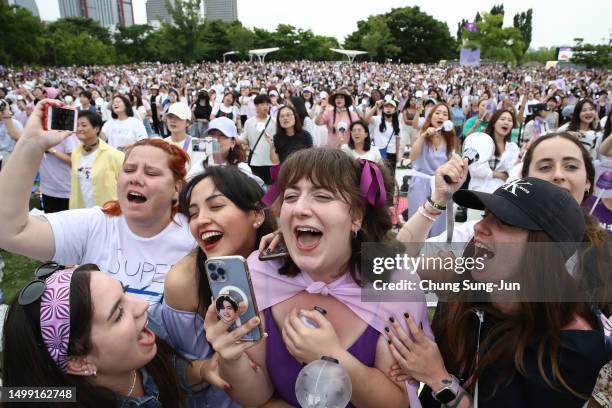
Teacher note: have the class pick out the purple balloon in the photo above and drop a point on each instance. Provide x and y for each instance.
(605, 180)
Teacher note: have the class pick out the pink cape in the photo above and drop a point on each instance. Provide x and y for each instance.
(272, 288)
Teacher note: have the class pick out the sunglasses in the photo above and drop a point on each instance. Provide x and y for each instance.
(35, 289)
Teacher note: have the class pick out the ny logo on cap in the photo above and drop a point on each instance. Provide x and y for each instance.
(513, 185)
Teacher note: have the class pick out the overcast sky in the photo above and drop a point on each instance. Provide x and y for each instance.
(555, 22)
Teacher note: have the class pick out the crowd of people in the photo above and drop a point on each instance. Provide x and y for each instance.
(171, 165)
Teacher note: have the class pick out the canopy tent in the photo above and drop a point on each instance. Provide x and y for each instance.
(225, 54)
(351, 54)
(261, 53)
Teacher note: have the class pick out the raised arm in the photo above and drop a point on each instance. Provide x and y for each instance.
(371, 112)
(416, 229)
(22, 233)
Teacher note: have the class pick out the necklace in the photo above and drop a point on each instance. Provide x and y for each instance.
(129, 394)
(89, 148)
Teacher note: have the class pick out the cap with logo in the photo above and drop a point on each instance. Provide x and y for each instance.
(224, 125)
(180, 110)
(533, 204)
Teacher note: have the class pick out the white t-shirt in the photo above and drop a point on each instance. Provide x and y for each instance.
(85, 175)
(372, 155)
(194, 157)
(261, 155)
(381, 139)
(120, 133)
(90, 236)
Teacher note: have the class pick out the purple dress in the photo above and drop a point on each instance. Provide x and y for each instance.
(284, 369)
(420, 187)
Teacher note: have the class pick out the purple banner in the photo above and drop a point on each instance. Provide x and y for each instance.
(469, 57)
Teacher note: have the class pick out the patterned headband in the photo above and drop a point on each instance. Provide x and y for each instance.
(55, 316)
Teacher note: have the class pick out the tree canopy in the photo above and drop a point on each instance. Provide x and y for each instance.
(406, 33)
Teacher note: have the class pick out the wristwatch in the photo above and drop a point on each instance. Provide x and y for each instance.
(448, 392)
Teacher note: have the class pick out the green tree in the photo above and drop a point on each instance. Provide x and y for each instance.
(215, 40)
(460, 27)
(498, 10)
(593, 55)
(406, 33)
(185, 31)
(496, 43)
(522, 21)
(22, 35)
(80, 49)
(542, 54)
(240, 38)
(78, 25)
(378, 42)
(420, 37)
(131, 42)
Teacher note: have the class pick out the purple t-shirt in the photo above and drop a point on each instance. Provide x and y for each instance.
(54, 173)
(602, 213)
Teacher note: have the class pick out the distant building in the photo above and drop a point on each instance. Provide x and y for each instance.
(26, 4)
(157, 12)
(109, 13)
(226, 10)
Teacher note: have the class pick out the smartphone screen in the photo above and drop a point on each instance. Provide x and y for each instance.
(233, 294)
(62, 119)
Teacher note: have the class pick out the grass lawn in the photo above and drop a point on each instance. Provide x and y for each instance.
(18, 270)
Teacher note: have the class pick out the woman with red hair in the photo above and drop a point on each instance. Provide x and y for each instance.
(136, 238)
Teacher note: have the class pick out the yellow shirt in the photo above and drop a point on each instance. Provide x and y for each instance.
(105, 170)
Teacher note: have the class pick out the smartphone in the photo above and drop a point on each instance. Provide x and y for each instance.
(278, 252)
(206, 145)
(59, 118)
(232, 290)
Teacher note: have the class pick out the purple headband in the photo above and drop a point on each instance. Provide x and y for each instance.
(55, 316)
(372, 185)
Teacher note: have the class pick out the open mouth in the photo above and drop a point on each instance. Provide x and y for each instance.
(307, 238)
(483, 251)
(211, 238)
(146, 337)
(136, 197)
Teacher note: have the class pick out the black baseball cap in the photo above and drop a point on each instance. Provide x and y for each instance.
(535, 205)
(538, 107)
(261, 98)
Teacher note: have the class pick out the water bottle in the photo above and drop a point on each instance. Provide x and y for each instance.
(323, 384)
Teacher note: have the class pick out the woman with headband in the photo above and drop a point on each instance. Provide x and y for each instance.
(329, 204)
(78, 328)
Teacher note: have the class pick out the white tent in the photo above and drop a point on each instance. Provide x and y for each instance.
(225, 54)
(261, 53)
(351, 54)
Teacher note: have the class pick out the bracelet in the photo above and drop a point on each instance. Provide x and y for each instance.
(431, 210)
(421, 211)
(436, 206)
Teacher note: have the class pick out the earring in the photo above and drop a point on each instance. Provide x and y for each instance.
(256, 225)
(355, 234)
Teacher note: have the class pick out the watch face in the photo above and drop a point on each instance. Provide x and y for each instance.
(445, 396)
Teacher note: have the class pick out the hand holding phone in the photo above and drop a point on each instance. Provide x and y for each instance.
(34, 128)
(60, 118)
(233, 294)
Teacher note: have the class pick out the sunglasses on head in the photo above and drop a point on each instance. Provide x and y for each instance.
(35, 289)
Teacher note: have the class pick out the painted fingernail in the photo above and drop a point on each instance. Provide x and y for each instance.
(267, 251)
(391, 319)
(387, 329)
(406, 315)
(389, 341)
